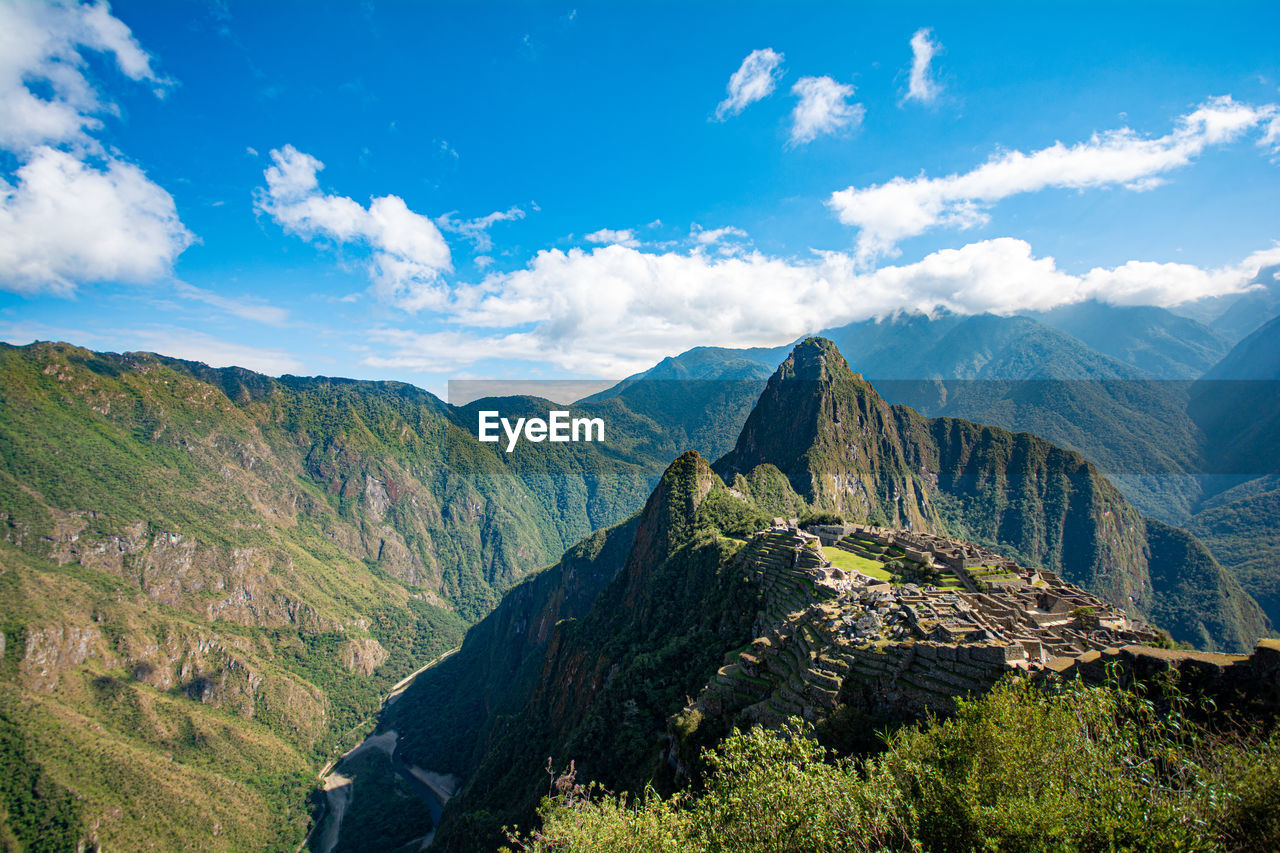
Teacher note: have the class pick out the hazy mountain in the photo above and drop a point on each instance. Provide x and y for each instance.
(1155, 340)
(1237, 405)
(1237, 315)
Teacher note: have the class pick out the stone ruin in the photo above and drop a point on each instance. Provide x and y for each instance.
(828, 635)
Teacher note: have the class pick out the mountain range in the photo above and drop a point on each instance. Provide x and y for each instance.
(211, 577)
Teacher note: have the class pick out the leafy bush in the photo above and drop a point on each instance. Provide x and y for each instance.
(1024, 768)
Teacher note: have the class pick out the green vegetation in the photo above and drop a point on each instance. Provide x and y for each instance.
(850, 561)
(820, 517)
(1072, 769)
(843, 449)
(36, 813)
(224, 572)
(1243, 532)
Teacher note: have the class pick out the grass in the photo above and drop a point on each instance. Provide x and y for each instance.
(851, 562)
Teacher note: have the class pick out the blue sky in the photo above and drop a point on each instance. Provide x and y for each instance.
(425, 191)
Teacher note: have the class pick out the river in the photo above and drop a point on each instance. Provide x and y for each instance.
(433, 789)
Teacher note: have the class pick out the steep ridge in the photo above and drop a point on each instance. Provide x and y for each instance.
(1013, 372)
(1237, 406)
(1024, 376)
(844, 449)
(608, 680)
(497, 667)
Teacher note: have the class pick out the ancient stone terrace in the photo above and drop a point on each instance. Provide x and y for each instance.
(829, 634)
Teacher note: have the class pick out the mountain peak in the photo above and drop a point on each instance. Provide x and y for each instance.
(816, 359)
(833, 437)
(668, 516)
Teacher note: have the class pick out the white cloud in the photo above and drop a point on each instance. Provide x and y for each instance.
(615, 310)
(753, 80)
(215, 352)
(65, 222)
(255, 310)
(905, 207)
(70, 212)
(41, 45)
(409, 255)
(921, 86)
(477, 230)
(714, 235)
(1271, 138)
(621, 237)
(823, 108)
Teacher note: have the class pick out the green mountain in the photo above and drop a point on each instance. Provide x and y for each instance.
(1237, 407)
(1018, 373)
(608, 679)
(210, 577)
(834, 439)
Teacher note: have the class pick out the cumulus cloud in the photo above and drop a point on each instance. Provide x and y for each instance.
(921, 86)
(408, 254)
(65, 222)
(70, 212)
(620, 237)
(753, 81)
(906, 207)
(823, 108)
(614, 310)
(45, 97)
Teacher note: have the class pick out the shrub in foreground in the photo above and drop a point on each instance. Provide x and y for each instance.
(1023, 768)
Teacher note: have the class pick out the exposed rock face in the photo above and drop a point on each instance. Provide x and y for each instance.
(52, 649)
(363, 655)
